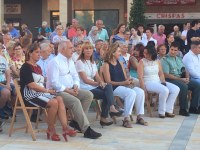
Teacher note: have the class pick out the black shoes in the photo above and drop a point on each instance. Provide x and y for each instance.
(75, 125)
(194, 110)
(3, 115)
(183, 112)
(34, 118)
(169, 115)
(118, 114)
(105, 123)
(91, 134)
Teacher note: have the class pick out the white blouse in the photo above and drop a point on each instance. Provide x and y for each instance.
(90, 70)
(151, 70)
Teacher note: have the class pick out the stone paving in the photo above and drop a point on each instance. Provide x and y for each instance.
(177, 133)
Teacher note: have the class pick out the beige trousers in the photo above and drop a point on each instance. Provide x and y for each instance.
(79, 106)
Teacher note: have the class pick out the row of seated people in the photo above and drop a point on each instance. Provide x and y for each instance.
(63, 79)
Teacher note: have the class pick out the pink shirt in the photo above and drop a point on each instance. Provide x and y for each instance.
(160, 38)
(72, 33)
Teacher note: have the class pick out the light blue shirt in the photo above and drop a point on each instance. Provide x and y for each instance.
(43, 65)
(103, 34)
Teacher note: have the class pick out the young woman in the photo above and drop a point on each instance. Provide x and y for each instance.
(119, 33)
(34, 93)
(114, 73)
(152, 79)
(90, 80)
(134, 60)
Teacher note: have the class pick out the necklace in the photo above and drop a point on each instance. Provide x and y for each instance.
(90, 68)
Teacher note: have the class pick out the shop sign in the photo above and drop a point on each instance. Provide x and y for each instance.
(12, 9)
(172, 15)
(170, 2)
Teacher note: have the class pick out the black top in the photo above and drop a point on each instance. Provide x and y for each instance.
(192, 33)
(26, 76)
(116, 73)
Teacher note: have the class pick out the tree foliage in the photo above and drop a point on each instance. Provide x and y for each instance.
(137, 13)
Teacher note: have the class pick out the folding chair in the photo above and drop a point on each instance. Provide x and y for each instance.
(149, 101)
(27, 111)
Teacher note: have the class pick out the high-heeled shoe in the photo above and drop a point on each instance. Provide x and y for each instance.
(105, 123)
(53, 137)
(119, 113)
(69, 132)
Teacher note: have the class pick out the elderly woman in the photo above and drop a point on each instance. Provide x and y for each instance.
(59, 37)
(152, 79)
(161, 51)
(93, 36)
(176, 73)
(114, 73)
(34, 93)
(19, 57)
(90, 80)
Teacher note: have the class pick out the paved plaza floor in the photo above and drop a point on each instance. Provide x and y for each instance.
(179, 133)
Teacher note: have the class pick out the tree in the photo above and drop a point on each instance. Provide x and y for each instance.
(137, 13)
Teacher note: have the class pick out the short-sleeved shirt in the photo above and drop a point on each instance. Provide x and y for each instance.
(57, 39)
(90, 70)
(29, 74)
(160, 38)
(172, 65)
(3, 68)
(103, 35)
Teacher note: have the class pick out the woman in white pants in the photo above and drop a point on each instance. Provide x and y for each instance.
(152, 79)
(114, 73)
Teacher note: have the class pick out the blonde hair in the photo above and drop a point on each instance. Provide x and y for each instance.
(10, 45)
(112, 49)
(86, 44)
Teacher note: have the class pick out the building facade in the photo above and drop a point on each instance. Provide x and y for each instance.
(112, 12)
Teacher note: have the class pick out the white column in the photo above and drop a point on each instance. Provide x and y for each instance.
(63, 11)
(1, 12)
(128, 8)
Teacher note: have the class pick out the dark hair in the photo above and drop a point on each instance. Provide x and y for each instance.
(140, 47)
(194, 22)
(1, 39)
(150, 29)
(151, 43)
(31, 49)
(97, 41)
(16, 45)
(175, 44)
(118, 27)
(68, 24)
(195, 43)
(151, 51)
(80, 27)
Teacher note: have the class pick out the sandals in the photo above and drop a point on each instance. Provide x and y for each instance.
(142, 122)
(127, 124)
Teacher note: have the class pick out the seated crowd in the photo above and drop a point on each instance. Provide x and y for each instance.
(66, 69)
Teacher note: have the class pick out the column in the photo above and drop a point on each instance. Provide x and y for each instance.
(63, 11)
(1, 12)
(128, 8)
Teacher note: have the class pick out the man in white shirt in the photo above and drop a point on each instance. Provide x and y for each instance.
(63, 77)
(149, 34)
(184, 33)
(192, 64)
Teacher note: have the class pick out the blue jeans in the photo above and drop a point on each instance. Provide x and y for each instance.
(106, 95)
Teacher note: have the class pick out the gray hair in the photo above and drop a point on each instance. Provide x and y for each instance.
(161, 26)
(62, 45)
(44, 46)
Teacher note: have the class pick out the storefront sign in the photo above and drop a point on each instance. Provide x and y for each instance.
(170, 2)
(172, 15)
(12, 9)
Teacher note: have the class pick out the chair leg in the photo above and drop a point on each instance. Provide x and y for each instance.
(37, 119)
(28, 122)
(29, 115)
(98, 108)
(12, 121)
(148, 105)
